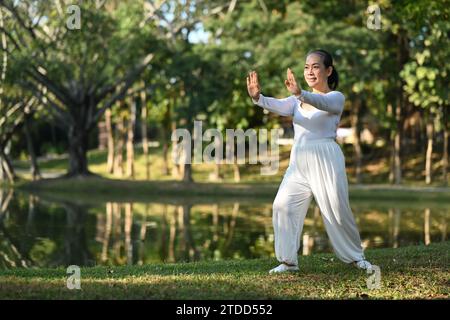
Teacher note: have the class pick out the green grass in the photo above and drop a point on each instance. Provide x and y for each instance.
(420, 272)
(97, 163)
(374, 171)
(407, 273)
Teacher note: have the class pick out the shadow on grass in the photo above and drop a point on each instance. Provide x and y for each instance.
(407, 273)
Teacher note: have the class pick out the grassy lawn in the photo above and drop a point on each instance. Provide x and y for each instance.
(420, 272)
(407, 273)
(374, 171)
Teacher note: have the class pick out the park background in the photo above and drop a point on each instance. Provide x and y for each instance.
(91, 92)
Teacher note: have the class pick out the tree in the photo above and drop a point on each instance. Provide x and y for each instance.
(16, 104)
(85, 70)
(426, 74)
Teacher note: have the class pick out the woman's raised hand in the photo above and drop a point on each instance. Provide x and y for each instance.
(253, 87)
(291, 83)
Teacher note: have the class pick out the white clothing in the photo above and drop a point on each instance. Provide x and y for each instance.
(364, 265)
(316, 168)
(283, 268)
(309, 125)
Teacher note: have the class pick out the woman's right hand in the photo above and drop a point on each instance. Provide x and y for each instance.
(253, 86)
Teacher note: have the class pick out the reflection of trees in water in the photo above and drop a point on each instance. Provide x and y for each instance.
(106, 231)
(115, 233)
(32, 200)
(11, 250)
(179, 235)
(128, 224)
(135, 233)
(231, 226)
(189, 249)
(76, 251)
(410, 227)
(142, 233)
(163, 251)
(31, 241)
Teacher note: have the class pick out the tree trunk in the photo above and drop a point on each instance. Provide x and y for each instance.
(396, 165)
(177, 168)
(102, 135)
(6, 168)
(215, 175)
(35, 174)
(397, 158)
(445, 153)
(78, 144)
(428, 160)
(130, 139)
(402, 58)
(237, 174)
(110, 137)
(118, 159)
(5, 58)
(144, 134)
(397, 143)
(187, 173)
(390, 113)
(187, 167)
(166, 129)
(356, 124)
(165, 157)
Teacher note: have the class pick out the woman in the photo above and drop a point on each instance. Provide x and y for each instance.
(316, 167)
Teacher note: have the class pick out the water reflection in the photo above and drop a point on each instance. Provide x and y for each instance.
(41, 232)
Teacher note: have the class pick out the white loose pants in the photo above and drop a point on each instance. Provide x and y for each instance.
(316, 168)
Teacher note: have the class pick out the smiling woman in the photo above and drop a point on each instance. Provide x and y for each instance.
(315, 74)
(316, 167)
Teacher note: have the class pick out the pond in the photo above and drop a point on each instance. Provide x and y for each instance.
(38, 232)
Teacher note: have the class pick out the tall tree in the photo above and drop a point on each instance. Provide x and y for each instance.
(426, 74)
(85, 70)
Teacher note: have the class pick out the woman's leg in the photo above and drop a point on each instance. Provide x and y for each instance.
(329, 185)
(289, 210)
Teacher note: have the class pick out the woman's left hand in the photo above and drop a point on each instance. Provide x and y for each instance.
(291, 83)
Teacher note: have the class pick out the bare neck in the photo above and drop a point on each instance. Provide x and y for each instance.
(322, 89)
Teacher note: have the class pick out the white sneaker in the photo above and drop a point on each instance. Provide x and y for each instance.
(283, 268)
(364, 265)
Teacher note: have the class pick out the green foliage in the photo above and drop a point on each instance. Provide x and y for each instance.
(407, 58)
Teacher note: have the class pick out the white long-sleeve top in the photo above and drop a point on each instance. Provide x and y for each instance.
(319, 123)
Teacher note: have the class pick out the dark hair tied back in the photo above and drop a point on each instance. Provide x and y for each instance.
(333, 79)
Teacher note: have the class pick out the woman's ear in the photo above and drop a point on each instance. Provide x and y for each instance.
(329, 71)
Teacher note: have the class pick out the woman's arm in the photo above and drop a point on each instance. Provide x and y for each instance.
(283, 107)
(332, 102)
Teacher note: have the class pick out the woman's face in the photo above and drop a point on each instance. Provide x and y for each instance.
(316, 75)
